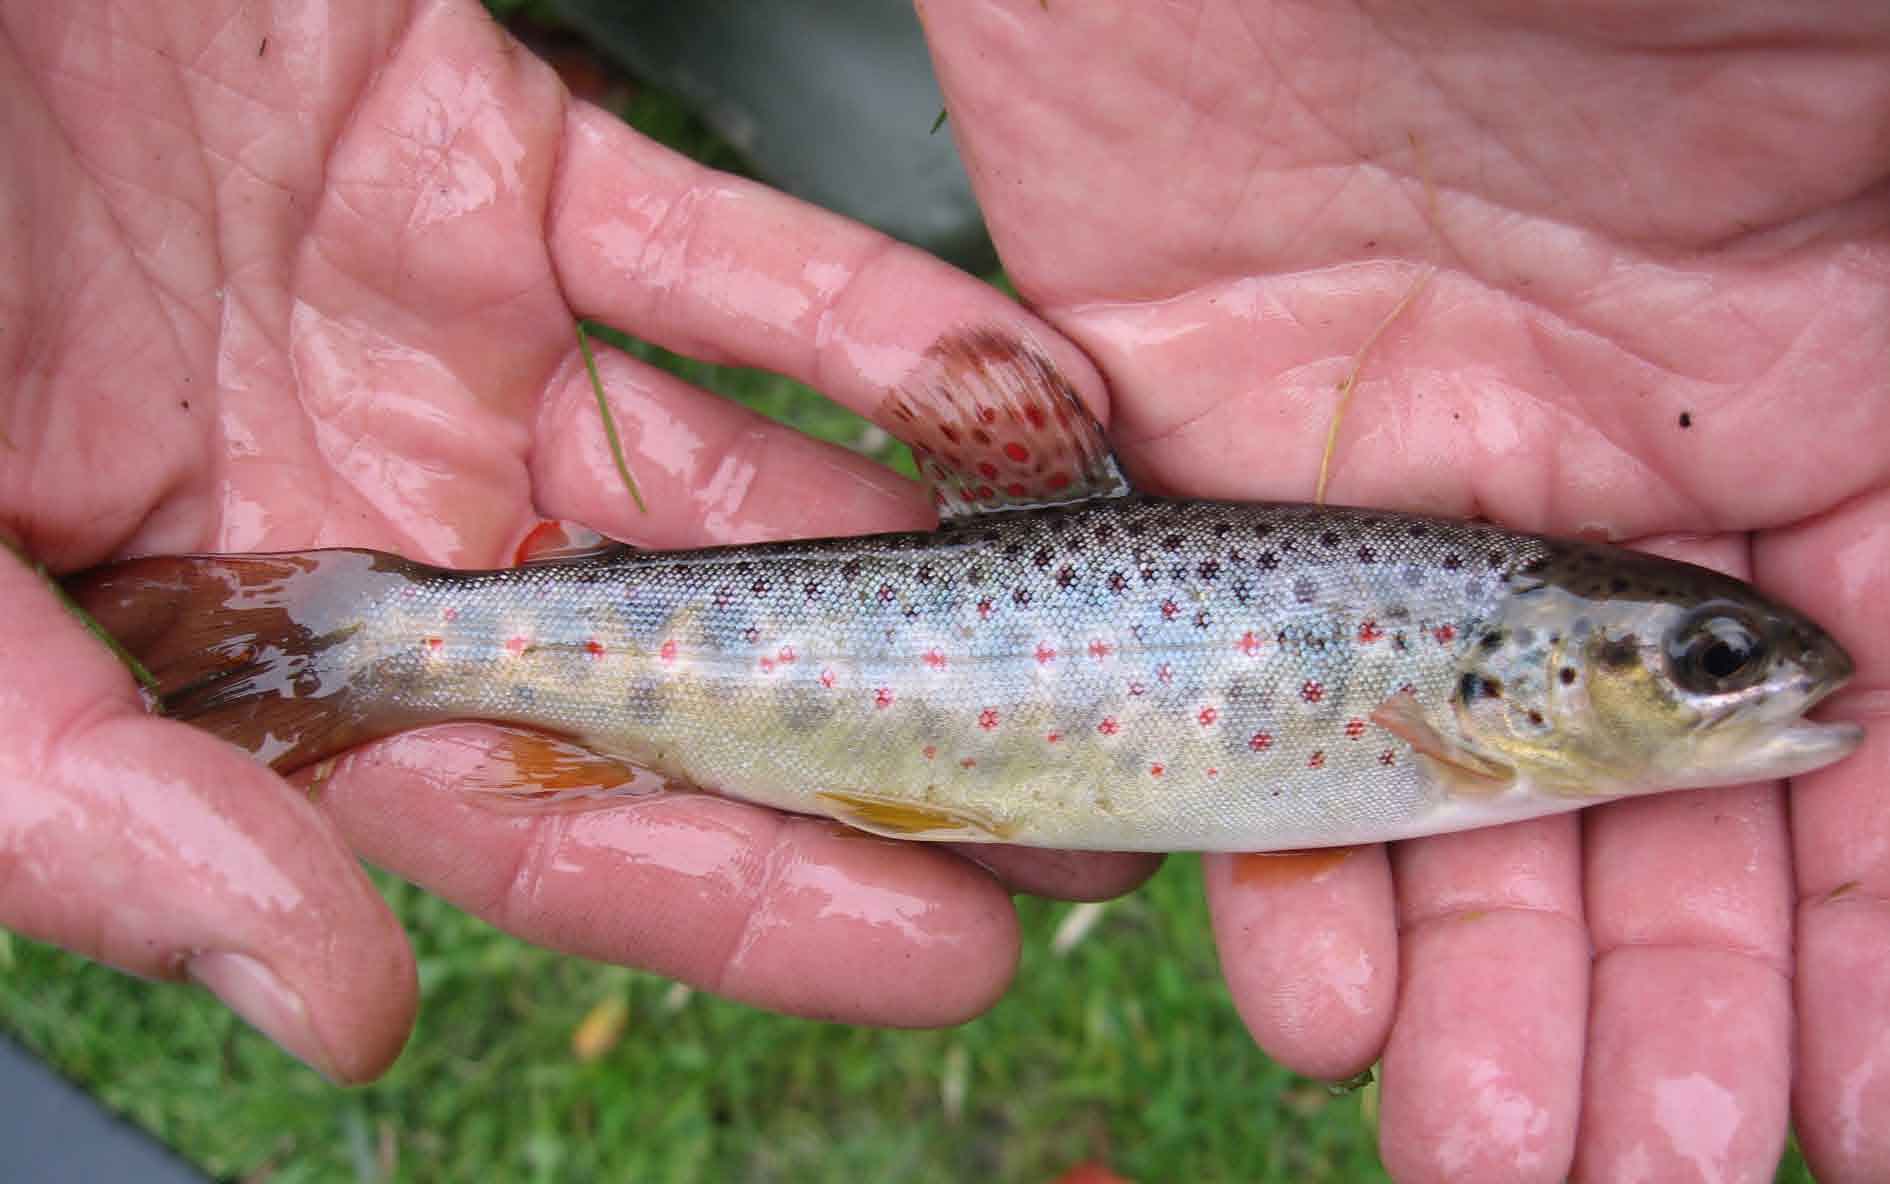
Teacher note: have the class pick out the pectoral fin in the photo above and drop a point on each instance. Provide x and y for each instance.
(1458, 772)
(897, 819)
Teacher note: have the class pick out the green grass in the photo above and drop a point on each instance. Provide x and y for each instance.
(1126, 1048)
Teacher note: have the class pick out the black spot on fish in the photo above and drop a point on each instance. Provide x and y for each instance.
(1042, 557)
(1567, 675)
(1418, 530)
(751, 635)
(924, 573)
(974, 574)
(813, 590)
(1118, 582)
(849, 569)
(1202, 620)
(1208, 569)
(1066, 576)
(759, 587)
(1535, 718)
(1367, 555)
(1686, 419)
(1492, 639)
(1268, 561)
(1021, 596)
(1103, 534)
(1221, 530)
(1148, 575)
(1619, 652)
(1242, 592)
(1171, 542)
(1013, 550)
(886, 593)
(1494, 559)
(1452, 561)
(1329, 539)
(1304, 590)
(1262, 531)
(1471, 687)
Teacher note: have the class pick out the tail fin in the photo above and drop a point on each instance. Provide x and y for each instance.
(247, 647)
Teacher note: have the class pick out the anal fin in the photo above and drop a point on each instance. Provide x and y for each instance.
(895, 818)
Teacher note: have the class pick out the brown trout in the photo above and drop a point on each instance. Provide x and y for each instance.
(1115, 672)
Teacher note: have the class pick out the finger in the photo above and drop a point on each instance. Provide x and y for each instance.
(1689, 1047)
(1838, 570)
(1309, 948)
(710, 471)
(159, 850)
(1062, 875)
(793, 914)
(1482, 1074)
(723, 269)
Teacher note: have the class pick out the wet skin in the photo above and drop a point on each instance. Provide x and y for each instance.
(352, 326)
(1662, 308)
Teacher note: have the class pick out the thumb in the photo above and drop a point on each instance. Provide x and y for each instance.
(166, 853)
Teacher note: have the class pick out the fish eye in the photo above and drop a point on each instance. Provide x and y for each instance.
(1716, 650)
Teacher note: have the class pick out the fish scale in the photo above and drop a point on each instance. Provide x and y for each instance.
(1063, 663)
(1181, 669)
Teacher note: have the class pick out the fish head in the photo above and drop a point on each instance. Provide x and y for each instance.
(1609, 672)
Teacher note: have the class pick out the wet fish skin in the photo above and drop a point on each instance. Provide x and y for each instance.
(1124, 673)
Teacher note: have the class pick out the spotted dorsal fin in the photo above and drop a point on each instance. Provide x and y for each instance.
(994, 425)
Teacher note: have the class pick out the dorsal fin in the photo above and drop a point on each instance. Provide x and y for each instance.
(994, 425)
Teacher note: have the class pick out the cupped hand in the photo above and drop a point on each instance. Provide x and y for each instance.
(276, 284)
(1661, 307)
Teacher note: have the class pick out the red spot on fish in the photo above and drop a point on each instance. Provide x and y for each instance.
(1212, 772)
(667, 651)
(1016, 489)
(1387, 757)
(1046, 653)
(450, 614)
(984, 609)
(1059, 480)
(1369, 632)
(930, 751)
(1207, 716)
(934, 659)
(767, 664)
(987, 470)
(1312, 691)
(1249, 644)
(1260, 741)
(593, 649)
(1053, 737)
(516, 645)
(988, 718)
(1444, 634)
(1036, 417)
(1100, 649)
(1169, 609)
(1109, 726)
(968, 763)
(787, 655)
(882, 697)
(1354, 728)
(1017, 452)
(987, 415)
(1156, 770)
(1317, 760)
(435, 644)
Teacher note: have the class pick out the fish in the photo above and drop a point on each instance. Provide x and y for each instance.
(1064, 662)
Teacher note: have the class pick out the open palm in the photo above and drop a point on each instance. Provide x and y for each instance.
(276, 285)
(1661, 307)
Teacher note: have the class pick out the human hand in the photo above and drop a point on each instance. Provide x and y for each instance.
(277, 287)
(1662, 308)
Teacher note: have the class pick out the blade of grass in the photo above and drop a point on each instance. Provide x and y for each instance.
(610, 422)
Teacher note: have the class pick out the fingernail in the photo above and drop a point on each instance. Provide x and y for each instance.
(252, 990)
